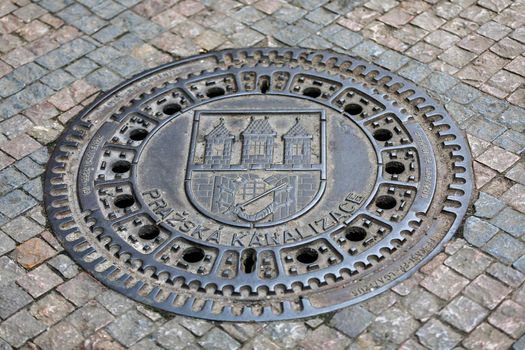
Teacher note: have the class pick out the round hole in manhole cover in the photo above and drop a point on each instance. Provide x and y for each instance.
(258, 184)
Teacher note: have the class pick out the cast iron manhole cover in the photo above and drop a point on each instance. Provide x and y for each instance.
(258, 184)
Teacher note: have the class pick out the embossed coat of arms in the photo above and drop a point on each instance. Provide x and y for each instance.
(256, 169)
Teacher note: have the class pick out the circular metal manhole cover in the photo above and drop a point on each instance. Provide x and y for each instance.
(258, 184)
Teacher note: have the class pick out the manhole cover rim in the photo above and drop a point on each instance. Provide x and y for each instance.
(51, 189)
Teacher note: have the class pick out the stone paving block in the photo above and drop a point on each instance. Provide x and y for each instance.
(506, 274)
(30, 168)
(33, 252)
(505, 248)
(81, 289)
(436, 335)
(512, 141)
(90, 318)
(20, 327)
(115, 302)
(469, 262)
(352, 320)
(126, 66)
(288, 334)
(510, 318)
(368, 50)
(380, 303)
(325, 338)
(515, 196)
(21, 229)
(510, 221)
(217, 338)
(172, 335)
(20, 146)
(39, 281)
(58, 79)
(9, 85)
(15, 203)
(392, 60)
(6, 243)
(51, 309)
(130, 328)
(291, 35)
(487, 291)
(475, 43)
(414, 71)
(107, 9)
(244, 331)
(478, 232)
(386, 326)
(63, 264)
(463, 313)
(62, 336)
(424, 52)
(289, 13)
(498, 159)
(66, 54)
(81, 68)
(196, 326)
(520, 264)
(5, 160)
(35, 188)
(513, 118)
(439, 82)
(487, 337)
(9, 270)
(444, 283)
(498, 187)
(456, 56)
(146, 344)
(28, 73)
(12, 299)
(488, 206)
(103, 78)
(15, 126)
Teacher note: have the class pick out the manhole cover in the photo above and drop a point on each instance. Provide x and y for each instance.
(258, 184)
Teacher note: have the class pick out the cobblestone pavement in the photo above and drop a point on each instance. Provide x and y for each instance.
(57, 55)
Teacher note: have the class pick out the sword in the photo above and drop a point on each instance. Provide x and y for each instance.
(251, 200)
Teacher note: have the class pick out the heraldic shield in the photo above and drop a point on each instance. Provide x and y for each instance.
(256, 168)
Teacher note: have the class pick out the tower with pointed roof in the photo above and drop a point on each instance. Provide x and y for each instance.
(218, 147)
(297, 145)
(257, 143)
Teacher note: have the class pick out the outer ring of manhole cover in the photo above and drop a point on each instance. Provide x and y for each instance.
(258, 184)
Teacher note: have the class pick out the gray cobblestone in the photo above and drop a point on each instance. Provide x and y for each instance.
(6, 243)
(352, 321)
(436, 335)
(81, 289)
(488, 206)
(463, 314)
(17, 329)
(12, 299)
(173, 336)
(58, 79)
(29, 168)
(506, 274)
(217, 339)
(130, 327)
(103, 78)
(21, 229)
(63, 264)
(505, 247)
(510, 221)
(478, 232)
(288, 334)
(16, 202)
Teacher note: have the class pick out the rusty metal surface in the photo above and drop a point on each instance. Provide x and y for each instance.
(258, 184)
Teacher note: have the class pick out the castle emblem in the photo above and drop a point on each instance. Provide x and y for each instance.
(257, 176)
